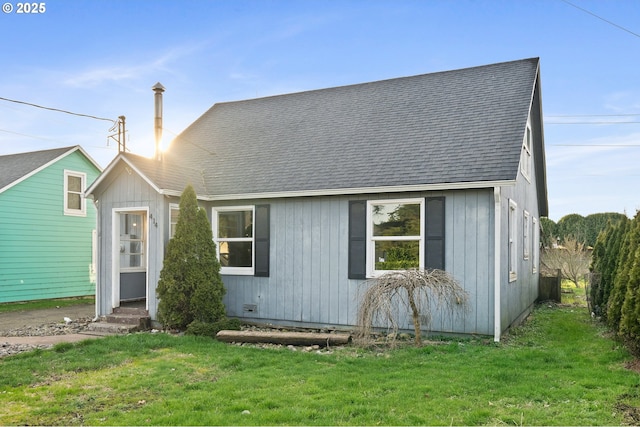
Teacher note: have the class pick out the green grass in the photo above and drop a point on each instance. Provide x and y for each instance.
(574, 295)
(46, 303)
(558, 369)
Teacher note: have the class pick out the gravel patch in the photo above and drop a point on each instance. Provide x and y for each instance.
(47, 329)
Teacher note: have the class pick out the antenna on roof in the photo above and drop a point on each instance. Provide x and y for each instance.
(158, 89)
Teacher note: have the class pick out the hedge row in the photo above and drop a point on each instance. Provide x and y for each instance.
(615, 279)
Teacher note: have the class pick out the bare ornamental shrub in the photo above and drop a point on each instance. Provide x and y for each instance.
(414, 290)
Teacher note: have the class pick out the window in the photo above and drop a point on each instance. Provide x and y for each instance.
(132, 244)
(395, 235)
(513, 261)
(525, 158)
(74, 202)
(525, 236)
(535, 242)
(233, 231)
(174, 213)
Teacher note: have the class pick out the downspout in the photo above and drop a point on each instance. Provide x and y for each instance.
(497, 271)
(98, 234)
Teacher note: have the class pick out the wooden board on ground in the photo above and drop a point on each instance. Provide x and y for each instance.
(284, 338)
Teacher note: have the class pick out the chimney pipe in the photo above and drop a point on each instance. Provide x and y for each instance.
(158, 89)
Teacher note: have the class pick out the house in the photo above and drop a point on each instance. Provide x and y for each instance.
(311, 193)
(47, 227)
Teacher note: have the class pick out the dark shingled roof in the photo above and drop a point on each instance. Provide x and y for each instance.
(448, 127)
(15, 166)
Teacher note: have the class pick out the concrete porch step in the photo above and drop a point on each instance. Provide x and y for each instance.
(123, 320)
(129, 319)
(111, 328)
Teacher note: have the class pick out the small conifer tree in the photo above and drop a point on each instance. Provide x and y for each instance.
(190, 286)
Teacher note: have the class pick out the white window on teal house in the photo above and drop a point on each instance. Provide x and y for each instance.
(395, 235)
(74, 184)
(513, 243)
(233, 231)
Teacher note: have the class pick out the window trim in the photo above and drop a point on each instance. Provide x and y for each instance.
(143, 239)
(83, 204)
(535, 245)
(512, 241)
(525, 158)
(526, 236)
(237, 271)
(172, 207)
(371, 272)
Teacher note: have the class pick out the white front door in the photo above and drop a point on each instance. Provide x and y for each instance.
(130, 257)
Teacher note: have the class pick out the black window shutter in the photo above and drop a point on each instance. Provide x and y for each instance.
(262, 241)
(358, 239)
(434, 233)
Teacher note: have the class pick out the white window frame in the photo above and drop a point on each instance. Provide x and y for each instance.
(371, 239)
(143, 239)
(513, 241)
(535, 245)
(172, 225)
(239, 271)
(83, 182)
(526, 243)
(525, 158)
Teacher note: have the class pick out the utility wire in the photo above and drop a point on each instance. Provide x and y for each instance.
(57, 109)
(602, 19)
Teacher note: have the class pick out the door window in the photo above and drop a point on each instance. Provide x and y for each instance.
(132, 244)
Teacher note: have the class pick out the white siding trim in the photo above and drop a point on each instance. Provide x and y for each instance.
(497, 268)
(512, 233)
(349, 191)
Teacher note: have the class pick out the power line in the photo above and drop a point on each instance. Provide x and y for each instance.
(28, 136)
(602, 19)
(57, 109)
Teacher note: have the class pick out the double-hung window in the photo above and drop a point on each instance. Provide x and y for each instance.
(74, 202)
(395, 235)
(233, 230)
(174, 214)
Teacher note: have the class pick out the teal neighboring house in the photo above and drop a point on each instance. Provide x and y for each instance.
(47, 227)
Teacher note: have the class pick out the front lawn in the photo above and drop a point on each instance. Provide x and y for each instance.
(558, 369)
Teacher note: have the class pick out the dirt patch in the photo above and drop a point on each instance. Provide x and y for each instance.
(631, 414)
(633, 365)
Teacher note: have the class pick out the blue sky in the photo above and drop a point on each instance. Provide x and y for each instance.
(101, 58)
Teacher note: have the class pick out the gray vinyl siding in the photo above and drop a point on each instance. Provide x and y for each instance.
(518, 297)
(309, 284)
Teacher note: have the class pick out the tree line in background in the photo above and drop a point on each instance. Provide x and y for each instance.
(583, 229)
(567, 245)
(614, 293)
